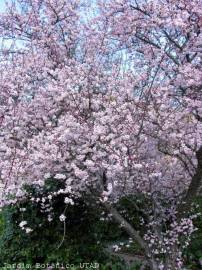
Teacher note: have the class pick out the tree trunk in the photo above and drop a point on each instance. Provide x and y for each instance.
(133, 234)
(194, 188)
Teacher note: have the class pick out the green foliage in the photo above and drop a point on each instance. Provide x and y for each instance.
(84, 237)
(194, 251)
(83, 240)
(118, 266)
(45, 244)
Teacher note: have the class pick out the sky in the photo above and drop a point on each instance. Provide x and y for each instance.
(2, 5)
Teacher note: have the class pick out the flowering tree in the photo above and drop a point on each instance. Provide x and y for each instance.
(111, 105)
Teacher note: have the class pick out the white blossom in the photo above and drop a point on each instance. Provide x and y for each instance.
(62, 218)
(60, 176)
(28, 230)
(23, 223)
